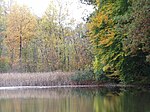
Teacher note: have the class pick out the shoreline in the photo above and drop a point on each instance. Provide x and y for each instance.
(53, 80)
(72, 86)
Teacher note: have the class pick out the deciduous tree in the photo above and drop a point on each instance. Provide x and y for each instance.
(20, 29)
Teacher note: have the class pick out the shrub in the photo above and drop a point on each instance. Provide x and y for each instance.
(83, 75)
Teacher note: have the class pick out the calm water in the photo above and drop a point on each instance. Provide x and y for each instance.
(75, 100)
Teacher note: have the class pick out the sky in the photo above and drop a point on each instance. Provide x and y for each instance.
(76, 9)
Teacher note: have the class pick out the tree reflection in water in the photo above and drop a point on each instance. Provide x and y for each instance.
(75, 100)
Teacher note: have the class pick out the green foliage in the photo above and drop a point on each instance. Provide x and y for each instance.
(136, 67)
(4, 65)
(119, 34)
(86, 75)
(106, 41)
(138, 39)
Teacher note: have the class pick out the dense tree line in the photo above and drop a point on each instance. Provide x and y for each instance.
(120, 35)
(41, 44)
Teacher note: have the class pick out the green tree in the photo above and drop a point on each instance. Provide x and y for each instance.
(136, 66)
(119, 34)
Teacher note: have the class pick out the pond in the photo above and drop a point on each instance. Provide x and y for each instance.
(75, 100)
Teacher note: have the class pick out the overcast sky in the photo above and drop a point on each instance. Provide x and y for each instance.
(76, 9)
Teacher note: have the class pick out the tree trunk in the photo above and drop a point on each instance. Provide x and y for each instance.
(20, 53)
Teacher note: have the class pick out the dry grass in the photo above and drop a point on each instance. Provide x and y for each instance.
(35, 79)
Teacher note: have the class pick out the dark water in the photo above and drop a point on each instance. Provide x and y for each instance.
(75, 100)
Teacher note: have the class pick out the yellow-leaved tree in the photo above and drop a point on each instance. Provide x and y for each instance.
(102, 34)
(20, 28)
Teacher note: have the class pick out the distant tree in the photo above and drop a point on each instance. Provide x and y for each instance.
(2, 25)
(20, 29)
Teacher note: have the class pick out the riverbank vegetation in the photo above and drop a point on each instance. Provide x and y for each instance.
(36, 79)
(120, 37)
(112, 46)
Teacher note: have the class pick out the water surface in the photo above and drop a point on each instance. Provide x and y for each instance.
(74, 100)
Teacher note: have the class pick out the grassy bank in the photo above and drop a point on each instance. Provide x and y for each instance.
(35, 79)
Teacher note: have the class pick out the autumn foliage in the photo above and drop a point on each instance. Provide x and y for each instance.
(119, 34)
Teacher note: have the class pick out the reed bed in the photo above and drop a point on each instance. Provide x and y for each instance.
(35, 79)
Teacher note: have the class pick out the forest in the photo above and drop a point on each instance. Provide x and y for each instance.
(112, 45)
